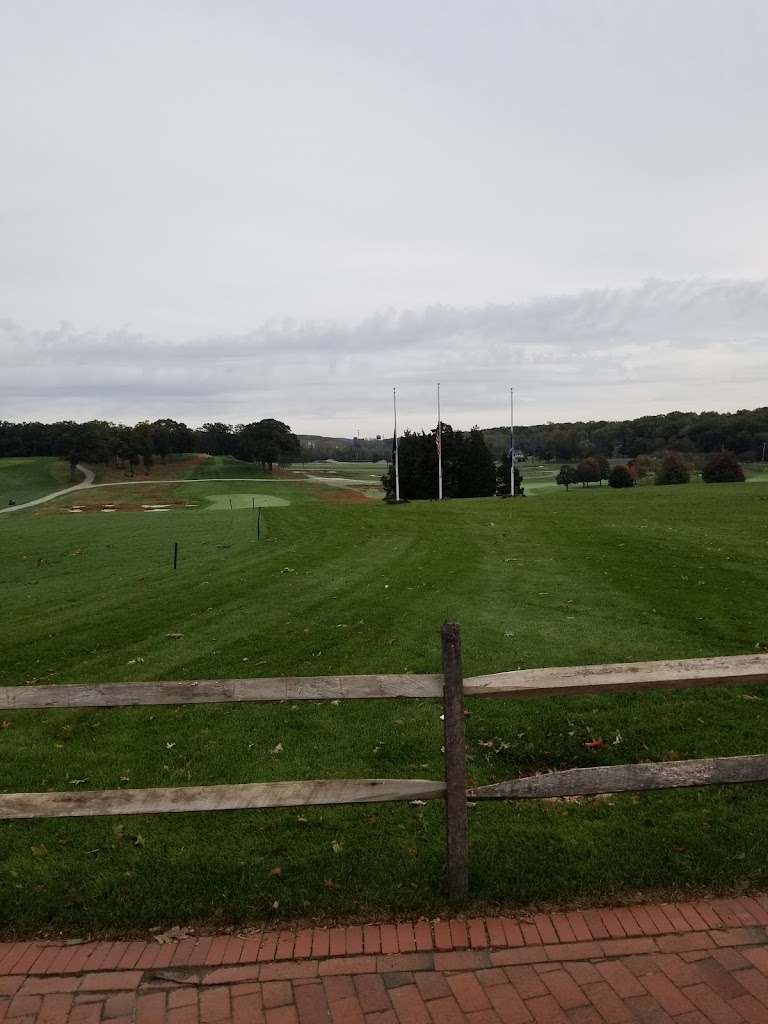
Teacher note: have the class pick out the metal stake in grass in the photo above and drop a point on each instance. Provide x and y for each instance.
(258, 525)
(175, 554)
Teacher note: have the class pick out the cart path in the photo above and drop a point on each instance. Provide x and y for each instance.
(87, 482)
(702, 962)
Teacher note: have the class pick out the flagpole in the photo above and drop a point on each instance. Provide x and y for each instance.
(511, 442)
(397, 461)
(439, 449)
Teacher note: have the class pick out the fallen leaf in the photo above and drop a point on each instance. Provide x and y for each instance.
(174, 934)
(275, 872)
(278, 749)
(77, 782)
(329, 883)
(336, 846)
(5, 725)
(598, 744)
(175, 636)
(418, 803)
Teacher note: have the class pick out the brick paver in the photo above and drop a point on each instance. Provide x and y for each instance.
(688, 963)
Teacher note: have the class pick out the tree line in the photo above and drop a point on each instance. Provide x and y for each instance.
(744, 432)
(269, 442)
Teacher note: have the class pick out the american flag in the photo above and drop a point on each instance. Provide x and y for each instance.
(437, 441)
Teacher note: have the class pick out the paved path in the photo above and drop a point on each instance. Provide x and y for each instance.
(87, 482)
(683, 963)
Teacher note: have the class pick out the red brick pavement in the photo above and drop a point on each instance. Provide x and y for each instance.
(685, 963)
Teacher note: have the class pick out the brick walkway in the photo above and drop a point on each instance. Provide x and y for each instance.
(687, 963)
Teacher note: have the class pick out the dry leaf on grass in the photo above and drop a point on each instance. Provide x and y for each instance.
(175, 934)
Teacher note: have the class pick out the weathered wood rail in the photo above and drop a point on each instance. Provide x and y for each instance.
(739, 670)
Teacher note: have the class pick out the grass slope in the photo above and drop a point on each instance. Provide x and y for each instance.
(27, 479)
(592, 576)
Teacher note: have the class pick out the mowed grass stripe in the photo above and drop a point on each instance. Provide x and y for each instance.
(592, 576)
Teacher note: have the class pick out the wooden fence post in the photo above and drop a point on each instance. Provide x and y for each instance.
(455, 760)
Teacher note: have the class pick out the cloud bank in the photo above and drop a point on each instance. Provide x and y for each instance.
(593, 355)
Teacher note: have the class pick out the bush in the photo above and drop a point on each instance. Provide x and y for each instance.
(621, 476)
(722, 468)
(672, 469)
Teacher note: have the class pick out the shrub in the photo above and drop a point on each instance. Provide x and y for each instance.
(722, 468)
(672, 469)
(621, 476)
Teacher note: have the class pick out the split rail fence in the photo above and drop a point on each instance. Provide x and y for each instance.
(453, 688)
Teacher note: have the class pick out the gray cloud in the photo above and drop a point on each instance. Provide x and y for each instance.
(593, 355)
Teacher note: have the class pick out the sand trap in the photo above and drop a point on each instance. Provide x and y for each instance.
(154, 508)
(157, 509)
(107, 510)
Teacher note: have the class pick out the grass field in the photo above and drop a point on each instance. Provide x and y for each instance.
(592, 576)
(27, 479)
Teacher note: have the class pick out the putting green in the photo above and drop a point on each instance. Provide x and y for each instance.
(221, 502)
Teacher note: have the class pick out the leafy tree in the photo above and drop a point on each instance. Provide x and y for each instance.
(503, 480)
(643, 466)
(588, 472)
(621, 476)
(269, 442)
(567, 476)
(722, 467)
(672, 469)
(604, 465)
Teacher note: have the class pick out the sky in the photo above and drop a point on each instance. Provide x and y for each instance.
(249, 208)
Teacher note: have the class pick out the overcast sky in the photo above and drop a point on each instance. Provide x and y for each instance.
(246, 208)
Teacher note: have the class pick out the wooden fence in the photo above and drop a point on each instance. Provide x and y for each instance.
(453, 688)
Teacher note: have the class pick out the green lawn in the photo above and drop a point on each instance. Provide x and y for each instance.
(26, 479)
(591, 576)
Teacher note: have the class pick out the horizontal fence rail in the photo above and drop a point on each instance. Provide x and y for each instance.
(217, 798)
(739, 670)
(628, 778)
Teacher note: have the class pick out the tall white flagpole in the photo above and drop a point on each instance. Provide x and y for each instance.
(511, 442)
(439, 449)
(397, 461)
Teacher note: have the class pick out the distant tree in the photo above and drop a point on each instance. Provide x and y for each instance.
(503, 479)
(475, 469)
(643, 466)
(721, 468)
(269, 442)
(621, 476)
(567, 476)
(672, 469)
(588, 472)
(604, 466)
(468, 469)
